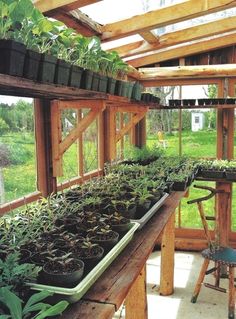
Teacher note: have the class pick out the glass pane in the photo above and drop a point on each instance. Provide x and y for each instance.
(199, 125)
(17, 148)
(90, 147)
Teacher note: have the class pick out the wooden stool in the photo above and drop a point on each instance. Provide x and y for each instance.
(222, 256)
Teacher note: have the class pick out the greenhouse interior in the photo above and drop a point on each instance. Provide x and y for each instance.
(117, 159)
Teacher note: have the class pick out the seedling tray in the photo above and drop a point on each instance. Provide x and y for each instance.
(142, 221)
(74, 294)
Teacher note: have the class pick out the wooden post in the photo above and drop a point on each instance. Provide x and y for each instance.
(109, 134)
(136, 300)
(45, 181)
(140, 133)
(223, 212)
(80, 147)
(100, 141)
(167, 258)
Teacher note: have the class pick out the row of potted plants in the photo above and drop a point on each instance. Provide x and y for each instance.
(192, 102)
(221, 169)
(45, 50)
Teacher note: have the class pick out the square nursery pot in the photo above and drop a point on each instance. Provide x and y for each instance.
(189, 102)
(102, 85)
(87, 79)
(47, 67)
(95, 82)
(111, 84)
(118, 87)
(124, 88)
(62, 72)
(12, 57)
(75, 76)
(136, 92)
(179, 186)
(130, 89)
(31, 65)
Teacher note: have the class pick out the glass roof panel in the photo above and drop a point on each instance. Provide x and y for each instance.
(119, 42)
(108, 11)
(197, 21)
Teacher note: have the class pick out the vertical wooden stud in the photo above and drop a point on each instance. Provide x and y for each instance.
(80, 147)
(136, 300)
(101, 152)
(46, 183)
(167, 258)
(56, 134)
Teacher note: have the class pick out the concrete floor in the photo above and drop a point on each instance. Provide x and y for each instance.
(211, 304)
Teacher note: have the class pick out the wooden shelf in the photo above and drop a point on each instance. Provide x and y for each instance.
(188, 107)
(16, 86)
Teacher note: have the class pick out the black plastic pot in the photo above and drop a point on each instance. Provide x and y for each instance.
(95, 82)
(62, 72)
(130, 89)
(189, 102)
(124, 88)
(102, 85)
(179, 186)
(230, 175)
(87, 79)
(31, 65)
(142, 209)
(118, 88)
(63, 279)
(111, 84)
(12, 57)
(121, 228)
(106, 244)
(47, 67)
(136, 92)
(75, 76)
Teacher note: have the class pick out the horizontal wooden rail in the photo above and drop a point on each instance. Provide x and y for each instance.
(5, 208)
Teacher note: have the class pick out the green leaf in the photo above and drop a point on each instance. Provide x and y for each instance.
(38, 307)
(12, 302)
(5, 317)
(54, 310)
(35, 299)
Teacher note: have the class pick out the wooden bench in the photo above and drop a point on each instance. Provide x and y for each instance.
(125, 279)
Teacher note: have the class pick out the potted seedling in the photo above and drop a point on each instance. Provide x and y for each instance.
(104, 236)
(143, 201)
(117, 222)
(230, 171)
(179, 181)
(90, 253)
(63, 271)
(12, 52)
(126, 208)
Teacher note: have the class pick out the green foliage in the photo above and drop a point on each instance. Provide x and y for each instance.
(14, 275)
(19, 154)
(33, 305)
(3, 126)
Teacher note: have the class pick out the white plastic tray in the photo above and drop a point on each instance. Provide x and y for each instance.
(142, 221)
(74, 294)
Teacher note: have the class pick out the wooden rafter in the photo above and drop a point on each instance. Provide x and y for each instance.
(185, 50)
(178, 37)
(149, 37)
(185, 10)
(77, 20)
(60, 145)
(45, 5)
(185, 72)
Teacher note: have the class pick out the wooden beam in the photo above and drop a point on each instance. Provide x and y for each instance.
(185, 50)
(178, 37)
(133, 121)
(185, 72)
(164, 16)
(45, 5)
(149, 36)
(77, 131)
(56, 133)
(78, 21)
